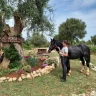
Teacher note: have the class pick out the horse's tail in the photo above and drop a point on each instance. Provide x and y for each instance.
(86, 52)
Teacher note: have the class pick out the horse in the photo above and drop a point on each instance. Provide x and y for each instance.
(74, 52)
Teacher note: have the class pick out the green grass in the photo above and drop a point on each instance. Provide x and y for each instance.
(50, 85)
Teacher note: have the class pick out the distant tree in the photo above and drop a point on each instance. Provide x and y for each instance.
(93, 39)
(56, 37)
(89, 42)
(72, 30)
(38, 40)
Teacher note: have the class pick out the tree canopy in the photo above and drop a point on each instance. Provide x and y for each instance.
(38, 40)
(93, 39)
(34, 13)
(73, 29)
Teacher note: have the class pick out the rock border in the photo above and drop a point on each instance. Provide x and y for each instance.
(32, 75)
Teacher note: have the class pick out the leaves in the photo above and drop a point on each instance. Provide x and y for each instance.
(34, 12)
(72, 29)
(93, 39)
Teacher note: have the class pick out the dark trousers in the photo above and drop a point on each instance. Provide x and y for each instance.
(65, 65)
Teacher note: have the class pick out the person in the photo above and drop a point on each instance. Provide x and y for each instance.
(64, 59)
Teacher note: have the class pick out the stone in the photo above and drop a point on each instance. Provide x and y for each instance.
(10, 80)
(23, 76)
(20, 79)
(29, 76)
(14, 79)
(2, 78)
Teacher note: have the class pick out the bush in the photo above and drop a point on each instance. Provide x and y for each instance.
(12, 54)
(27, 68)
(15, 64)
(51, 61)
(93, 48)
(32, 61)
(28, 47)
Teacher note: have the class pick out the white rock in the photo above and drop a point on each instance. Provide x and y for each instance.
(23, 76)
(2, 78)
(14, 79)
(32, 75)
(34, 72)
(20, 79)
(93, 93)
(10, 80)
(29, 76)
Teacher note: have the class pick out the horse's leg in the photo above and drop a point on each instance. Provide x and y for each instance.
(87, 63)
(83, 64)
(68, 67)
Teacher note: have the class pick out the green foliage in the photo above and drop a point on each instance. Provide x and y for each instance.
(56, 37)
(72, 30)
(26, 46)
(3, 71)
(27, 68)
(93, 48)
(32, 61)
(93, 39)
(38, 40)
(15, 64)
(36, 13)
(51, 61)
(12, 54)
(5, 9)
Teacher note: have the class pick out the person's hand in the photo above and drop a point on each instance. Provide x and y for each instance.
(60, 53)
(58, 48)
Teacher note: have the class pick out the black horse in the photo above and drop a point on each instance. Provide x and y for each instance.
(80, 51)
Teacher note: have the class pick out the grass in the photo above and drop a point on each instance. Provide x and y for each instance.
(50, 85)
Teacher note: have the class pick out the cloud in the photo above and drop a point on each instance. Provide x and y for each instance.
(87, 3)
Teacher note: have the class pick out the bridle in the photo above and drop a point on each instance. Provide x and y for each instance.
(55, 46)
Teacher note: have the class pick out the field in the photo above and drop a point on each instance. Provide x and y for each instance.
(50, 85)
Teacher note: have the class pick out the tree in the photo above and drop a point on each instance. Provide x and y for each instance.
(26, 13)
(38, 40)
(56, 37)
(93, 39)
(72, 30)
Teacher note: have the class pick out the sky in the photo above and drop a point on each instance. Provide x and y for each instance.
(81, 9)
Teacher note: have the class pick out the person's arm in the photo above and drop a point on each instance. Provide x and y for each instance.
(64, 54)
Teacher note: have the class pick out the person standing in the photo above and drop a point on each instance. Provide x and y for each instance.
(64, 59)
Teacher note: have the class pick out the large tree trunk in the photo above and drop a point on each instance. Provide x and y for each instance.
(14, 31)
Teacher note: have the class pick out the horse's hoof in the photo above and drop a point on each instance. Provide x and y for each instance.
(81, 71)
(68, 74)
(87, 74)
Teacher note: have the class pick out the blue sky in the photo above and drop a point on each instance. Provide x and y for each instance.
(81, 9)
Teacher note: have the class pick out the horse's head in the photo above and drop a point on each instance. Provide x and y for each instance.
(52, 45)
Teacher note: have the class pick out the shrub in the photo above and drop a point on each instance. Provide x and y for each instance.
(27, 68)
(15, 64)
(12, 54)
(32, 61)
(51, 61)
(28, 47)
(93, 48)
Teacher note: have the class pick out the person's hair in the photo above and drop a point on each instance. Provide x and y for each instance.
(66, 42)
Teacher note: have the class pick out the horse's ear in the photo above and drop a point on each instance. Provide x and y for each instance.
(53, 39)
